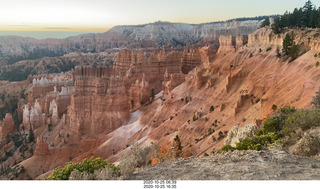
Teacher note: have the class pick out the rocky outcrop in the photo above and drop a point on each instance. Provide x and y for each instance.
(199, 78)
(190, 59)
(308, 145)
(109, 94)
(174, 34)
(7, 126)
(139, 93)
(171, 81)
(227, 44)
(241, 40)
(99, 103)
(265, 36)
(50, 98)
(44, 85)
(41, 148)
(237, 134)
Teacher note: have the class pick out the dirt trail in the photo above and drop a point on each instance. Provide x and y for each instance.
(238, 165)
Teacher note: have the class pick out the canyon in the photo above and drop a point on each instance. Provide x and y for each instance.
(149, 96)
(148, 36)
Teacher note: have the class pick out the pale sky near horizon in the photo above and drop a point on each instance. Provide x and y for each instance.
(100, 15)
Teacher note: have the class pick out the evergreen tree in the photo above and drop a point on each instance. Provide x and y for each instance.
(31, 135)
(287, 44)
(152, 94)
(306, 16)
(276, 26)
(265, 23)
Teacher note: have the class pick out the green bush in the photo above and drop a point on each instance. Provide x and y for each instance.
(272, 124)
(303, 119)
(211, 109)
(86, 166)
(255, 143)
(195, 118)
(226, 148)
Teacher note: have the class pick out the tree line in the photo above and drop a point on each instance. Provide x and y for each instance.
(306, 16)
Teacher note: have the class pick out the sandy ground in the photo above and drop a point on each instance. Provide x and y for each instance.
(238, 165)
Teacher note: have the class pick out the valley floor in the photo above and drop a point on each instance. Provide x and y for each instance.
(237, 165)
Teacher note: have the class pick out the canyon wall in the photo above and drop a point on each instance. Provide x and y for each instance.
(104, 97)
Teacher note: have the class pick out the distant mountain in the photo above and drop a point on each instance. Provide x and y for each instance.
(13, 48)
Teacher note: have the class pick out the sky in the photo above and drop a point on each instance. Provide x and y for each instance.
(100, 15)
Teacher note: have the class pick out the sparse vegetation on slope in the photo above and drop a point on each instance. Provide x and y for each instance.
(270, 133)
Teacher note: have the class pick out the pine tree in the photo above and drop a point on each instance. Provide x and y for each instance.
(152, 94)
(265, 23)
(287, 44)
(31, 135)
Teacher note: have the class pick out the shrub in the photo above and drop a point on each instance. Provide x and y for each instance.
(195, 118)
(272, 124)
(106, 173)
(274, 107)
(258, 142)
(226, 148)
(269, 48)
(275, 123)
(87, 166)
(210, 131)
(177, 147)
(251, 55)
(317, 64)
(211, 109)
(220, 135)
(137, 157)
(316, 55)
(316, 99)
(77, 175)
(303, 119)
